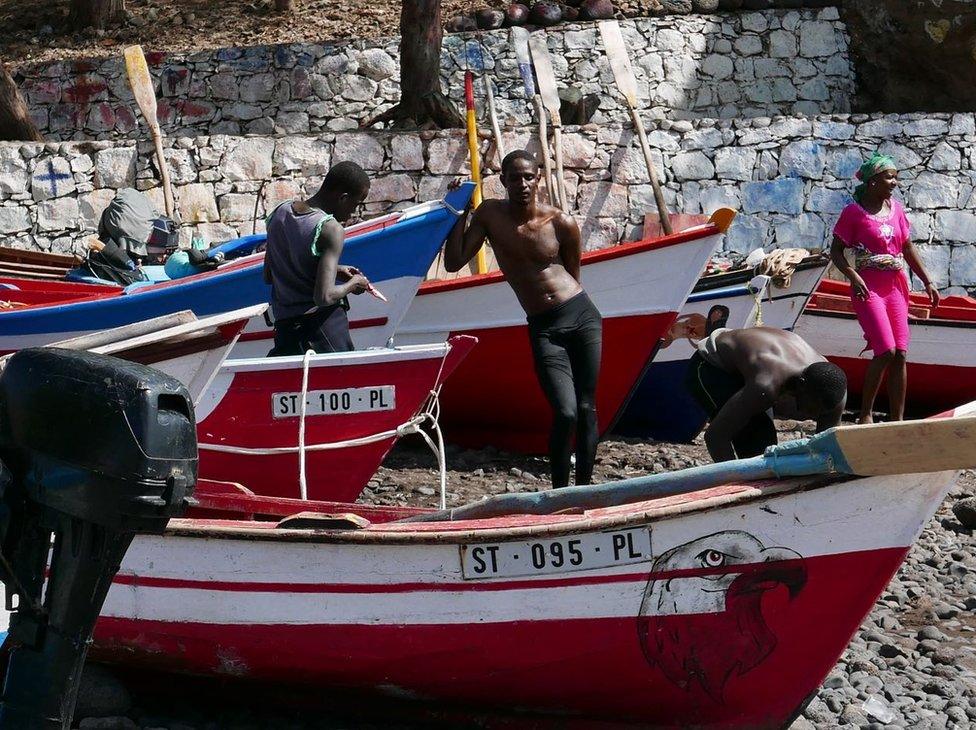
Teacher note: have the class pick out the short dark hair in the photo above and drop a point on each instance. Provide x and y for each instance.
(518, 155)
(827, 382)
(346, 177)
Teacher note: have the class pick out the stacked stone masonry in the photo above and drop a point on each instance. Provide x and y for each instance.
(789, 178)
(750, 64)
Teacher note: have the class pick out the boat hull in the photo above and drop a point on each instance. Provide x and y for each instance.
(941, 356)
(248, 409)
(494, 397)
(661, 407)
(395, 251)
(733, 619)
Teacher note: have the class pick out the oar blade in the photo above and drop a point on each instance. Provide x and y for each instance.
(141, 82)
(907, 447)
(722, 218)
(623, 72)
(545, 76)
(520, 39)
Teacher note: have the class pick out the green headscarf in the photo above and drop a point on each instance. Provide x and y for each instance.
(875, 166)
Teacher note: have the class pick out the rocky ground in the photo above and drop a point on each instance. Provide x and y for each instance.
(911, 665)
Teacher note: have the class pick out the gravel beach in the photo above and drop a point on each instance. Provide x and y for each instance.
(912, 664)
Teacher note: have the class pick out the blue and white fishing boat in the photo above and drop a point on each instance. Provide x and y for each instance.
(661, 407)
(395, 251)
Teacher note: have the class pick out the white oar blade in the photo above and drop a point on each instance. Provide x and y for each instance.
(623, 72)
(545, 75)
(909, 447)
(141, 82)
(520, 39)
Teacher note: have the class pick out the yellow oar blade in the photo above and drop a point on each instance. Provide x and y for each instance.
(722, 218)
(909, 447)
(141, 82)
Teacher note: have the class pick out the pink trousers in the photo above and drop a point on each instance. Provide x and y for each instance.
(884, 315)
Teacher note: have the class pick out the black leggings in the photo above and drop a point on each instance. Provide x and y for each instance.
(712, 387)
(566, 343)
(324, 330)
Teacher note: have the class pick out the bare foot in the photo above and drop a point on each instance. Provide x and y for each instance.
(865, 420)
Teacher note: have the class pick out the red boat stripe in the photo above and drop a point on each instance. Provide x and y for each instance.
(357, 324)
(539, 582)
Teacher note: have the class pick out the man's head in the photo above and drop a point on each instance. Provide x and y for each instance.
(520, 177)
(821, 391)
(344, 189)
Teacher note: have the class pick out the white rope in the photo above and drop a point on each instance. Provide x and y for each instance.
(303, 487)
(430, 413)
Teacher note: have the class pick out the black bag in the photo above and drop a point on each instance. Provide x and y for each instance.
(112, 264)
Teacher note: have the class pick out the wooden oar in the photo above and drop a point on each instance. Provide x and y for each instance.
(142, 89)
(520, 38)
(550, 100)
(883, 449)
(623, 74)
(472, 122)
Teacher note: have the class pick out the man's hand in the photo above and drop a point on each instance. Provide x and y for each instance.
(345, 273)
(357, 284)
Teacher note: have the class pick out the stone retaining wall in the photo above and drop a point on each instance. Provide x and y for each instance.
(725, 66)
(789, 177)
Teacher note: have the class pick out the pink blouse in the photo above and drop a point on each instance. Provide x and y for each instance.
(875, 234)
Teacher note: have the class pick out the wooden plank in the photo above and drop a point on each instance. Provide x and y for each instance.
(520, 39)
(909, 447)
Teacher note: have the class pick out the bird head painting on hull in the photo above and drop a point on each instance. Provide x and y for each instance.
(702, 623)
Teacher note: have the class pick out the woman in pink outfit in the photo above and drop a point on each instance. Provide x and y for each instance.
(876, 229)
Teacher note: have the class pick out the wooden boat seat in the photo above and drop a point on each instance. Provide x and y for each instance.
(323, 521)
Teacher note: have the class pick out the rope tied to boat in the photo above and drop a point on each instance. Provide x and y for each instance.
(429, 414)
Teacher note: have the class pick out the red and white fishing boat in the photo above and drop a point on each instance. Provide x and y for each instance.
(721, 607)
(941, 356)
(494, 397)
(250, 421)
(189, 349)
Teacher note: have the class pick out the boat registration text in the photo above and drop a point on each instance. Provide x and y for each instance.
(559, 555)
(329, 402)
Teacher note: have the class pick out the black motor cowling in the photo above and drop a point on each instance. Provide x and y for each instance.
(94, 450)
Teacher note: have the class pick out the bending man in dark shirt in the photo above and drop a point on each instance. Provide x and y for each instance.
(538, 249)
(738, 375)
(301, 263)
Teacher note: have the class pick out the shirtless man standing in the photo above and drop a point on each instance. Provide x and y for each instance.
(738, 375)
(538, 249)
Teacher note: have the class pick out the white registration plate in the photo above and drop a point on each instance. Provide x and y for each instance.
(330, 402)
(558, 555)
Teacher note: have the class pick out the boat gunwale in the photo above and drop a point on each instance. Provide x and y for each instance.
(744, 275)
(437, 286)
(818, 311)
(740, 494)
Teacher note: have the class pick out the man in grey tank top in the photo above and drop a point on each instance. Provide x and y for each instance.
(309, 286)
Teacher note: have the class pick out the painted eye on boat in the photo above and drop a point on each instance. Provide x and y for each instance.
(711, 559)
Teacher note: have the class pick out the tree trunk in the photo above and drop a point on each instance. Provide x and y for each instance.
(422, 103)
(96, 13)
(15, 123)
(283, 6)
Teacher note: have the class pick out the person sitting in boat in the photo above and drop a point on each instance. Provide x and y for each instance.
(538, 249)
(876, 228)
(739, 375)
(309, 287)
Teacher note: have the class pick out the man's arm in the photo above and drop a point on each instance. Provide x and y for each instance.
(327, 290)
(570, 244)
(733, 417)
(462, 244)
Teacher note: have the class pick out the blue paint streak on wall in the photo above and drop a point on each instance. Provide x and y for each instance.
(785, 195)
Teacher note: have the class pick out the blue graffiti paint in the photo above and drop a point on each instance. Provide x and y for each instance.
(52, 177)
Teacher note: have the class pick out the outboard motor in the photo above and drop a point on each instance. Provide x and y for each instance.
(93, 450)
